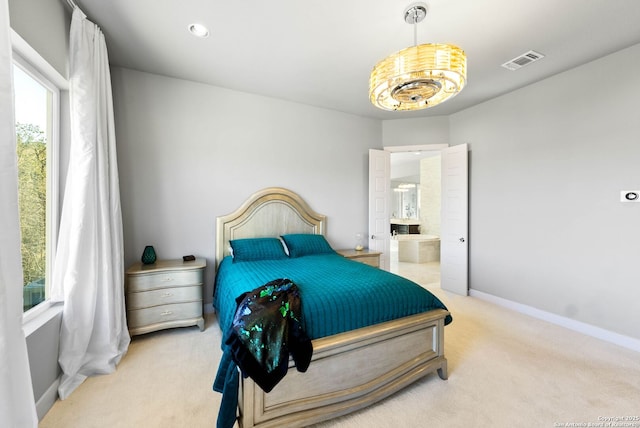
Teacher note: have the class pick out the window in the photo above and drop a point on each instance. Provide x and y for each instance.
(37, 116)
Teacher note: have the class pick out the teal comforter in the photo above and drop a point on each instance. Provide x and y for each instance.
(337, 294)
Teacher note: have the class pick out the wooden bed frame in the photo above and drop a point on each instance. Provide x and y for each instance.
(348, 371)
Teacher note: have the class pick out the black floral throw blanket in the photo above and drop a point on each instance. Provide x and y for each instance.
(266, 329)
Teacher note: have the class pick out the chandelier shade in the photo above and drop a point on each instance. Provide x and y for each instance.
(418, 77)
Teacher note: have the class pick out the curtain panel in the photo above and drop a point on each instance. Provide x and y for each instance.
(17, 405)
(88, 272)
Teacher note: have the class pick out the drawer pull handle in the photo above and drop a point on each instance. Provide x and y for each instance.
(165, 313)
(167, 294)
(168, 278)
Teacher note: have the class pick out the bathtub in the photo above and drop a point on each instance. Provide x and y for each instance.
(416, 248)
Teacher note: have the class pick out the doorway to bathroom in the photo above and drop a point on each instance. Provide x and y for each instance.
(415, 182)
(421, 228)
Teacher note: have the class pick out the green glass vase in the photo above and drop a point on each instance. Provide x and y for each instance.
(148, 255)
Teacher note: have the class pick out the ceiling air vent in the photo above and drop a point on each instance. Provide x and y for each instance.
(522, 60)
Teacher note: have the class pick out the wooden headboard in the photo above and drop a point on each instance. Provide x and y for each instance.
(269, 212)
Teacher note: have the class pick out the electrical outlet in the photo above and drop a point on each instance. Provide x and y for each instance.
(630, 196)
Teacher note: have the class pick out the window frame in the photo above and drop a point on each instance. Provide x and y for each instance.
(32, 63)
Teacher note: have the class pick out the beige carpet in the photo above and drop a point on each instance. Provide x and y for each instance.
(505, 370)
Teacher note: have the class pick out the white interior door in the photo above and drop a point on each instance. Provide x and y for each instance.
(379, 200)
(454, 244)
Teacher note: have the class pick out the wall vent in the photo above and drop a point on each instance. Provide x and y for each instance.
(522, 60)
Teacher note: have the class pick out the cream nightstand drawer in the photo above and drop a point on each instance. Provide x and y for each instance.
(163, 296)
(150, 281)
(164, 313)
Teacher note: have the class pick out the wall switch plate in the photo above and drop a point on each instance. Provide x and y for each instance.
(630, 196)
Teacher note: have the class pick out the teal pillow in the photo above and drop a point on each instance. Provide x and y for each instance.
(300, 244)
(252, 249)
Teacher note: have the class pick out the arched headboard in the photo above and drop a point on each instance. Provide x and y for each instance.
(269, 212)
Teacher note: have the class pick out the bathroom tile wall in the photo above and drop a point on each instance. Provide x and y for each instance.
(430, 194)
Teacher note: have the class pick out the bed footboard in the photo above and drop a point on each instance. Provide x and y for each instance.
(350, 371)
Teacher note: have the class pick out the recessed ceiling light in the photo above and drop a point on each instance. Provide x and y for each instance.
(199, 30)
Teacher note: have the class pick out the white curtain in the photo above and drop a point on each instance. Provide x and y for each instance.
(88, 273)
(17, 406)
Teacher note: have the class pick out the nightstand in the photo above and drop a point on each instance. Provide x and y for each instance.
(365, 256)
(165, 294)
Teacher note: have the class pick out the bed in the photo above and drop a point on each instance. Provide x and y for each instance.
(359, 358)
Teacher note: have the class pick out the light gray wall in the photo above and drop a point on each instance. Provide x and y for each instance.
(415, 131)
(44, 24)
(189, 152)
(42, 349)
(548, 163)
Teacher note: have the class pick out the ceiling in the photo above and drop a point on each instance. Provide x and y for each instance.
(320, 52)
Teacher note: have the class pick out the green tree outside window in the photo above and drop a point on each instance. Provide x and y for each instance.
(32, 187)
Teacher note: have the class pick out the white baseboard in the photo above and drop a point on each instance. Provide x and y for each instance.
(47, 399)
(571, 324)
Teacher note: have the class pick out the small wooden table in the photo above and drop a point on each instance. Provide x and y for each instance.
(365, 256)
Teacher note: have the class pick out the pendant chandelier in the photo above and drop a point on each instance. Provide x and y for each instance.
(419, 76)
